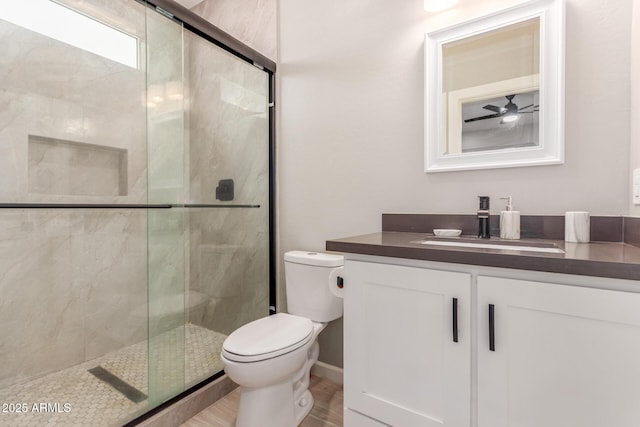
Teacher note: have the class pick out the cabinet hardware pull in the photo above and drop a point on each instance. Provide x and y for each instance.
(492, 328)
(455, 320)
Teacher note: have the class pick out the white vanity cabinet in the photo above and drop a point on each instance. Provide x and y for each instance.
(403, 366)
(563, 355)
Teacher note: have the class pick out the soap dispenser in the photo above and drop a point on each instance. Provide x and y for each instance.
(509, 222)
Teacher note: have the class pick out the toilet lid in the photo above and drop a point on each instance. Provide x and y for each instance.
(268, 337)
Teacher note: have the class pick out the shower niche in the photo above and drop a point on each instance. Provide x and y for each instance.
(71, 168)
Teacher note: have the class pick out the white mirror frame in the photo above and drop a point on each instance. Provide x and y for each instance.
(550, 149)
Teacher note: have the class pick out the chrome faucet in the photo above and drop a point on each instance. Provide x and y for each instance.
(483, 218)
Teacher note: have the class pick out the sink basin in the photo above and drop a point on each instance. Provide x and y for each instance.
(503, 245)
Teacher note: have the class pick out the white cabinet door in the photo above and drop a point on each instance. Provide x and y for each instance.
(564, 356)
(355, 419)
(401, 364)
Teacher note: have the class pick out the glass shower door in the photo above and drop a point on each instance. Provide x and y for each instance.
(228, 177)
(208, 158)
(166, 227)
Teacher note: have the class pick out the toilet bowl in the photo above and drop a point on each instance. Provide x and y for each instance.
(273, 374)
(271, 358)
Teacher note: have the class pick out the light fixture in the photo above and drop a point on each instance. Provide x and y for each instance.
(509, 118)
(438, 5)
(511, 111)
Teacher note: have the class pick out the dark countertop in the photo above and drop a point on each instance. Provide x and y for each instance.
(600, 259)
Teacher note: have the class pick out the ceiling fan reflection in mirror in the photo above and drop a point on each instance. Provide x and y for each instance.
(509, 113)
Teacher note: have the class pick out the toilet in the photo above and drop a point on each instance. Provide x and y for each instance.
(270, 358)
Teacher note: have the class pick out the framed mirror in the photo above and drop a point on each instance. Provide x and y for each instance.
(494, 90)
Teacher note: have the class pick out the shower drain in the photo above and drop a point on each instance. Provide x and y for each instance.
(129, 391)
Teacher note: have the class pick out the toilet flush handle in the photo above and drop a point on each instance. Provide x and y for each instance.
(336, 282)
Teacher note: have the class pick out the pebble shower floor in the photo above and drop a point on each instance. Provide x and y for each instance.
(76, 397)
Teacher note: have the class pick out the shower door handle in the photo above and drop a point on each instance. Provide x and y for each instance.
(454, 321)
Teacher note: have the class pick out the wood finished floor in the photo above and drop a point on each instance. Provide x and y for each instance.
(326, 412)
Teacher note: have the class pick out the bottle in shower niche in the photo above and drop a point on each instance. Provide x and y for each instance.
(483, 218)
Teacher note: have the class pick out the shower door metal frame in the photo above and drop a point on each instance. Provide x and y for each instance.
(215, 35)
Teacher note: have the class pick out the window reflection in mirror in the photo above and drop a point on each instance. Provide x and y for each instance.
(511, 121)
(490, 86)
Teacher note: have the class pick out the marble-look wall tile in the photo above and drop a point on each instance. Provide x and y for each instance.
(73, 286)
(228, 248)
(53, 90)
(165, 119)
(231, 267)
(253, 22)
(63, 167)
(28, 114)
(73, 283)
(41, 308)
(235, 144)
(166, 259)
(109, 252)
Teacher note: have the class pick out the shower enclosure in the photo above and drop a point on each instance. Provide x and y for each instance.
(135, 207)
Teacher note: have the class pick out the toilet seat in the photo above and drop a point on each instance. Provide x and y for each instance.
(267, 338)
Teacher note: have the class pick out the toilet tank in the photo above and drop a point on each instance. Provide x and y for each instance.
(307, 284)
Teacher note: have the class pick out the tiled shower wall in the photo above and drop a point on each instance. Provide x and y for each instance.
(73, 287)
(74, 282)
(228, 139)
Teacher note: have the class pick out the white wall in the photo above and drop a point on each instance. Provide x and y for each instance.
(351, 122)
(635, 99)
